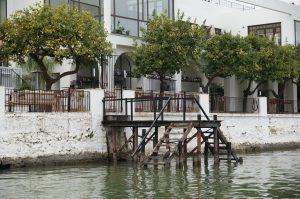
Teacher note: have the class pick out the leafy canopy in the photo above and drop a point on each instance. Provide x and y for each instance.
(59, 33)
(168, 46)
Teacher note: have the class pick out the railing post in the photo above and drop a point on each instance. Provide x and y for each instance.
(69, 100)
(131, 110)
(103, 104)
(155, 138)
(154, 111)
(143, 142)
(184, 105)
(126, 108)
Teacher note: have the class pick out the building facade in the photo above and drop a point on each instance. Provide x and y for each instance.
(124, 18)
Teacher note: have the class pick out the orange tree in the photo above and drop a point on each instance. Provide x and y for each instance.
(59, 33)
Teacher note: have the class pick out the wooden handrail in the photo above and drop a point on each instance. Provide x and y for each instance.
(146, 134)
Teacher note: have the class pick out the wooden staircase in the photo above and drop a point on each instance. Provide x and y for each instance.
(168, 146)
(224, 150)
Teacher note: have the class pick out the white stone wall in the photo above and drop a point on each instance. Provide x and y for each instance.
(29, 135)
(251, 129)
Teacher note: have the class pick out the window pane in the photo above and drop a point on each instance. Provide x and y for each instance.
(90, 2)
(2, 10)
(57, 2)
(93, 9)
(297, 33)
(126, 26)
(142, 25)
(160, 6)
(126, 8)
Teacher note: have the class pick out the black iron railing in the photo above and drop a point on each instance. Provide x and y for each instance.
(178, 102)
(231, 4)
(10, 77)
(281, 106)
(70, 100)
(222, 104)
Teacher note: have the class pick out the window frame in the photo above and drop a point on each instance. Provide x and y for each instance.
(265, 28)
(139, 19)
(5, 17)
(295, 22)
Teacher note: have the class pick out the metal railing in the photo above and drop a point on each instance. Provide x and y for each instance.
(230, 4)
(129, 105)
(281, 106)
(112, 102)
(222, 104)
(178, 102)
(70, 100)
(10, 77)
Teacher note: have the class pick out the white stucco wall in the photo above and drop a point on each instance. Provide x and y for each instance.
(31, 135)
(246, 129)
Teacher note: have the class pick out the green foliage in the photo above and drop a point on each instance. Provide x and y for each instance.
(267, 61)
(168, 46)
(222, 55)
(58, 33)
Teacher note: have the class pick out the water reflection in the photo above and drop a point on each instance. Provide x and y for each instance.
(265, 175)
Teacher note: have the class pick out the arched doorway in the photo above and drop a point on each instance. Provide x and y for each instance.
(123, 72)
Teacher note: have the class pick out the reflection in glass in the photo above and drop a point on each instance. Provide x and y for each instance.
(129, 15)
(2, 10)
(297, 32)
(95, 7)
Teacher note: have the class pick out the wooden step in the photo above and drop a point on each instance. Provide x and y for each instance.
(181, 125)
(156, 163)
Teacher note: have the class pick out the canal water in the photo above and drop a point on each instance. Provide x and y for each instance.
(262, 175)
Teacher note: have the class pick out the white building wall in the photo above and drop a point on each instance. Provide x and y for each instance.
(29, 135)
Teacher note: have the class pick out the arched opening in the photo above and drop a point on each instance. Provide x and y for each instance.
(123, 72)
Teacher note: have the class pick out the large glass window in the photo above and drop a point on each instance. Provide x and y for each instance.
(129, 15)
(3, 9)
(297, 32)
(271, 31)
(93, 6)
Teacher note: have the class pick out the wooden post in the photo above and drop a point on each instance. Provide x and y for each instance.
(216, 146)
(197, 159)
(155, 138)
(143, 143)
(135, 138)
(229, 152)
(206, 153)
(114, 143)
(179, 157)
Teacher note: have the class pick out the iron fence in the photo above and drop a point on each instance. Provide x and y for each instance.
(145, 101)
(230, 4)
(70, 100)
(178, 102)
(113, 102)
(281, 106)
(10, 77)
(222, 104)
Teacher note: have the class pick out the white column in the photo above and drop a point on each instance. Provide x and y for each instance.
(204, 102)
(106, 15)
(178, 82)
(272, 86)
(2, 102)
(96, 107)
(129, 94)
(263, 106)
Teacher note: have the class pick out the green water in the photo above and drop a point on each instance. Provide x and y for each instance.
(263, 175)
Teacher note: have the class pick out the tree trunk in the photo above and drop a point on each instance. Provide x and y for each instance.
(161, 92)
(49, 85)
